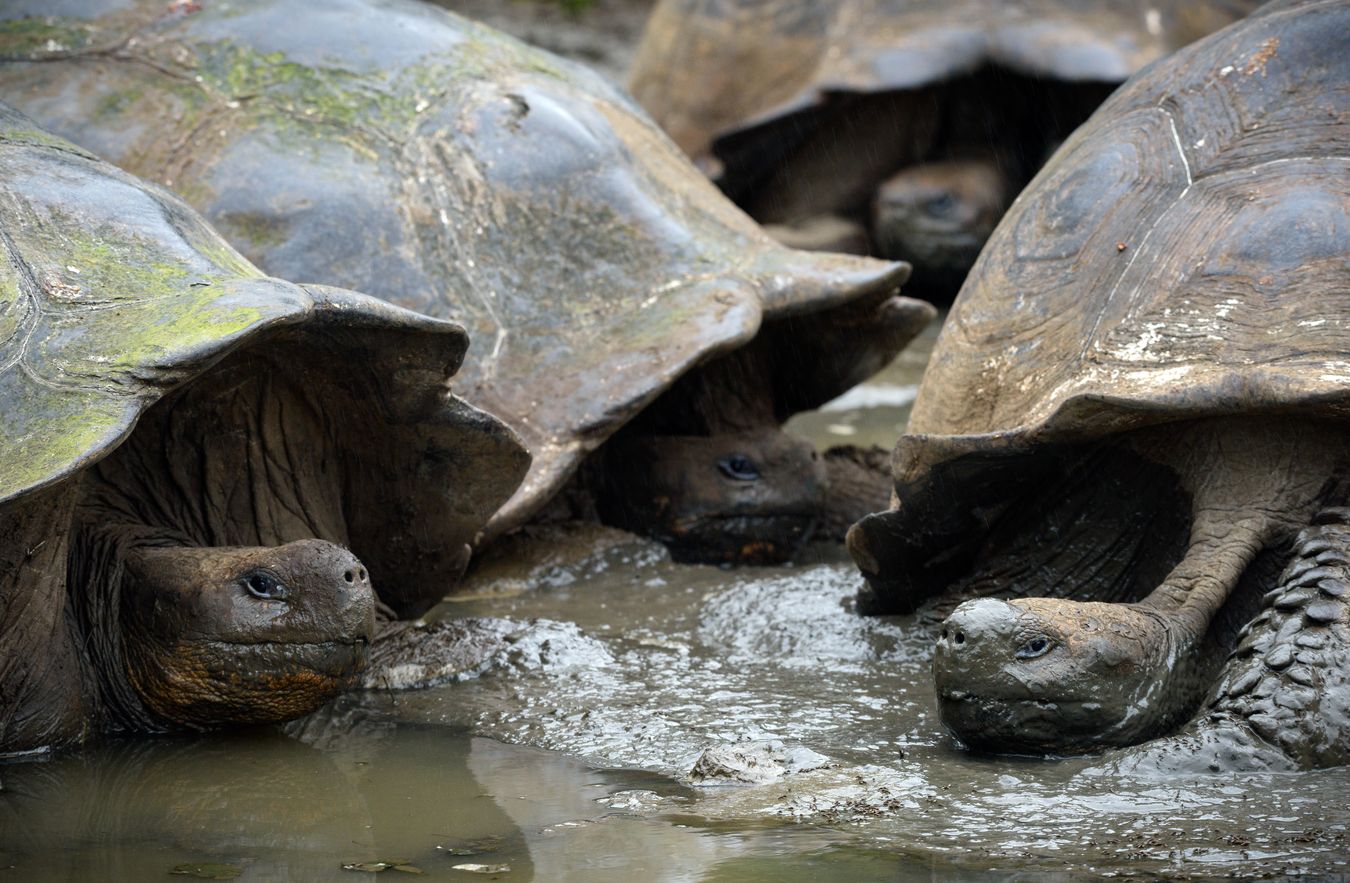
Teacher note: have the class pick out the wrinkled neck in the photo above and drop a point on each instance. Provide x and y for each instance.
(1223, 544)
(1173, 686)
(96, 583)
(44, 694)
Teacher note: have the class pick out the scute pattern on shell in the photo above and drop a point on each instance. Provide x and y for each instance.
(395, 148)
(1185, 254)
(112, 293)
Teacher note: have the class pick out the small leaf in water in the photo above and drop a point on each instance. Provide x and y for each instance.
(377, 867)
(207, 871)
(484, 869)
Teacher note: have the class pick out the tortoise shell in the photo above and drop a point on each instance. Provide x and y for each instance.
(115, 294)
(1185, 255)
(712, 68)
(131, 337)
(398, 149)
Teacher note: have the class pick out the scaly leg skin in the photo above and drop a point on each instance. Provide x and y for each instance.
(1283, 702)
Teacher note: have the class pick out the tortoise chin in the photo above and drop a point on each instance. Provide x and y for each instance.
(1002, 724)
(202, 684)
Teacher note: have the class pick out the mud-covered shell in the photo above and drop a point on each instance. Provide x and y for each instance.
(400, 150)
(1185, 254)
(710, 68)
(115, 293)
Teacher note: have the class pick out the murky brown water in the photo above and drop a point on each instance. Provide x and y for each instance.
(564, 756)
(875, 412)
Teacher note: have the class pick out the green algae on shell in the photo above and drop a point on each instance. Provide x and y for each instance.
(400, 150)
(127, 325)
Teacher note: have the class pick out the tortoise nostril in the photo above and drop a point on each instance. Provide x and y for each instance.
(944, 634)
(350, 576)
(960, 637)
(361, 574)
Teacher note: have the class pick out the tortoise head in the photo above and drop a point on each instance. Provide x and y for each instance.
(1051, 676)
(939, 214)
(748, 497)
(234, 635)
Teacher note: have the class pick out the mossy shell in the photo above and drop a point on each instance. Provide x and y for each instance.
(114, 293)
(395, 148)
(712, 68)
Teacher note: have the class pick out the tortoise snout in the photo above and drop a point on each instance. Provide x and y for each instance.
(976, 635)
(335, 585)
(354, 576)
(351, 582)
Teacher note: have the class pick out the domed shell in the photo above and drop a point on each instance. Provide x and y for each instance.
(114, 293)
(1185, 254)
(710, 68)
(395, 148)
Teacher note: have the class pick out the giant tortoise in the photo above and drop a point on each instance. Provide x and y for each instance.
(189, 451)
(617, 301)
(1141, 396)
(903, 126)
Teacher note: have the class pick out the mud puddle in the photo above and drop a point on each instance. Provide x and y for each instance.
(830, 718)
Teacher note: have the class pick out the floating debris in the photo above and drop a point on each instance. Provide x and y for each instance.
(207, 870)
(378, 867)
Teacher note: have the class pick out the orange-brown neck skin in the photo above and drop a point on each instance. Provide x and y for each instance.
(202, 685)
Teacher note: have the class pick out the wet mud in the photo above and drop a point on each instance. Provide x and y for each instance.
(658, 666)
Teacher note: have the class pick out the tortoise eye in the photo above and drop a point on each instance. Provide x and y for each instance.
(940, 205)
(261, 584)
(1037, 646)
(738, 467)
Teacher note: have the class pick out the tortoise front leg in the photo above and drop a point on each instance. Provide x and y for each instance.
(1283, 701)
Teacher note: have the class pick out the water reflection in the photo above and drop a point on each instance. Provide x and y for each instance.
(268, 804)
(875, 412)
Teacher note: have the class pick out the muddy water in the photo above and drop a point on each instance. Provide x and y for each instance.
(875, 412)
(565, 752)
